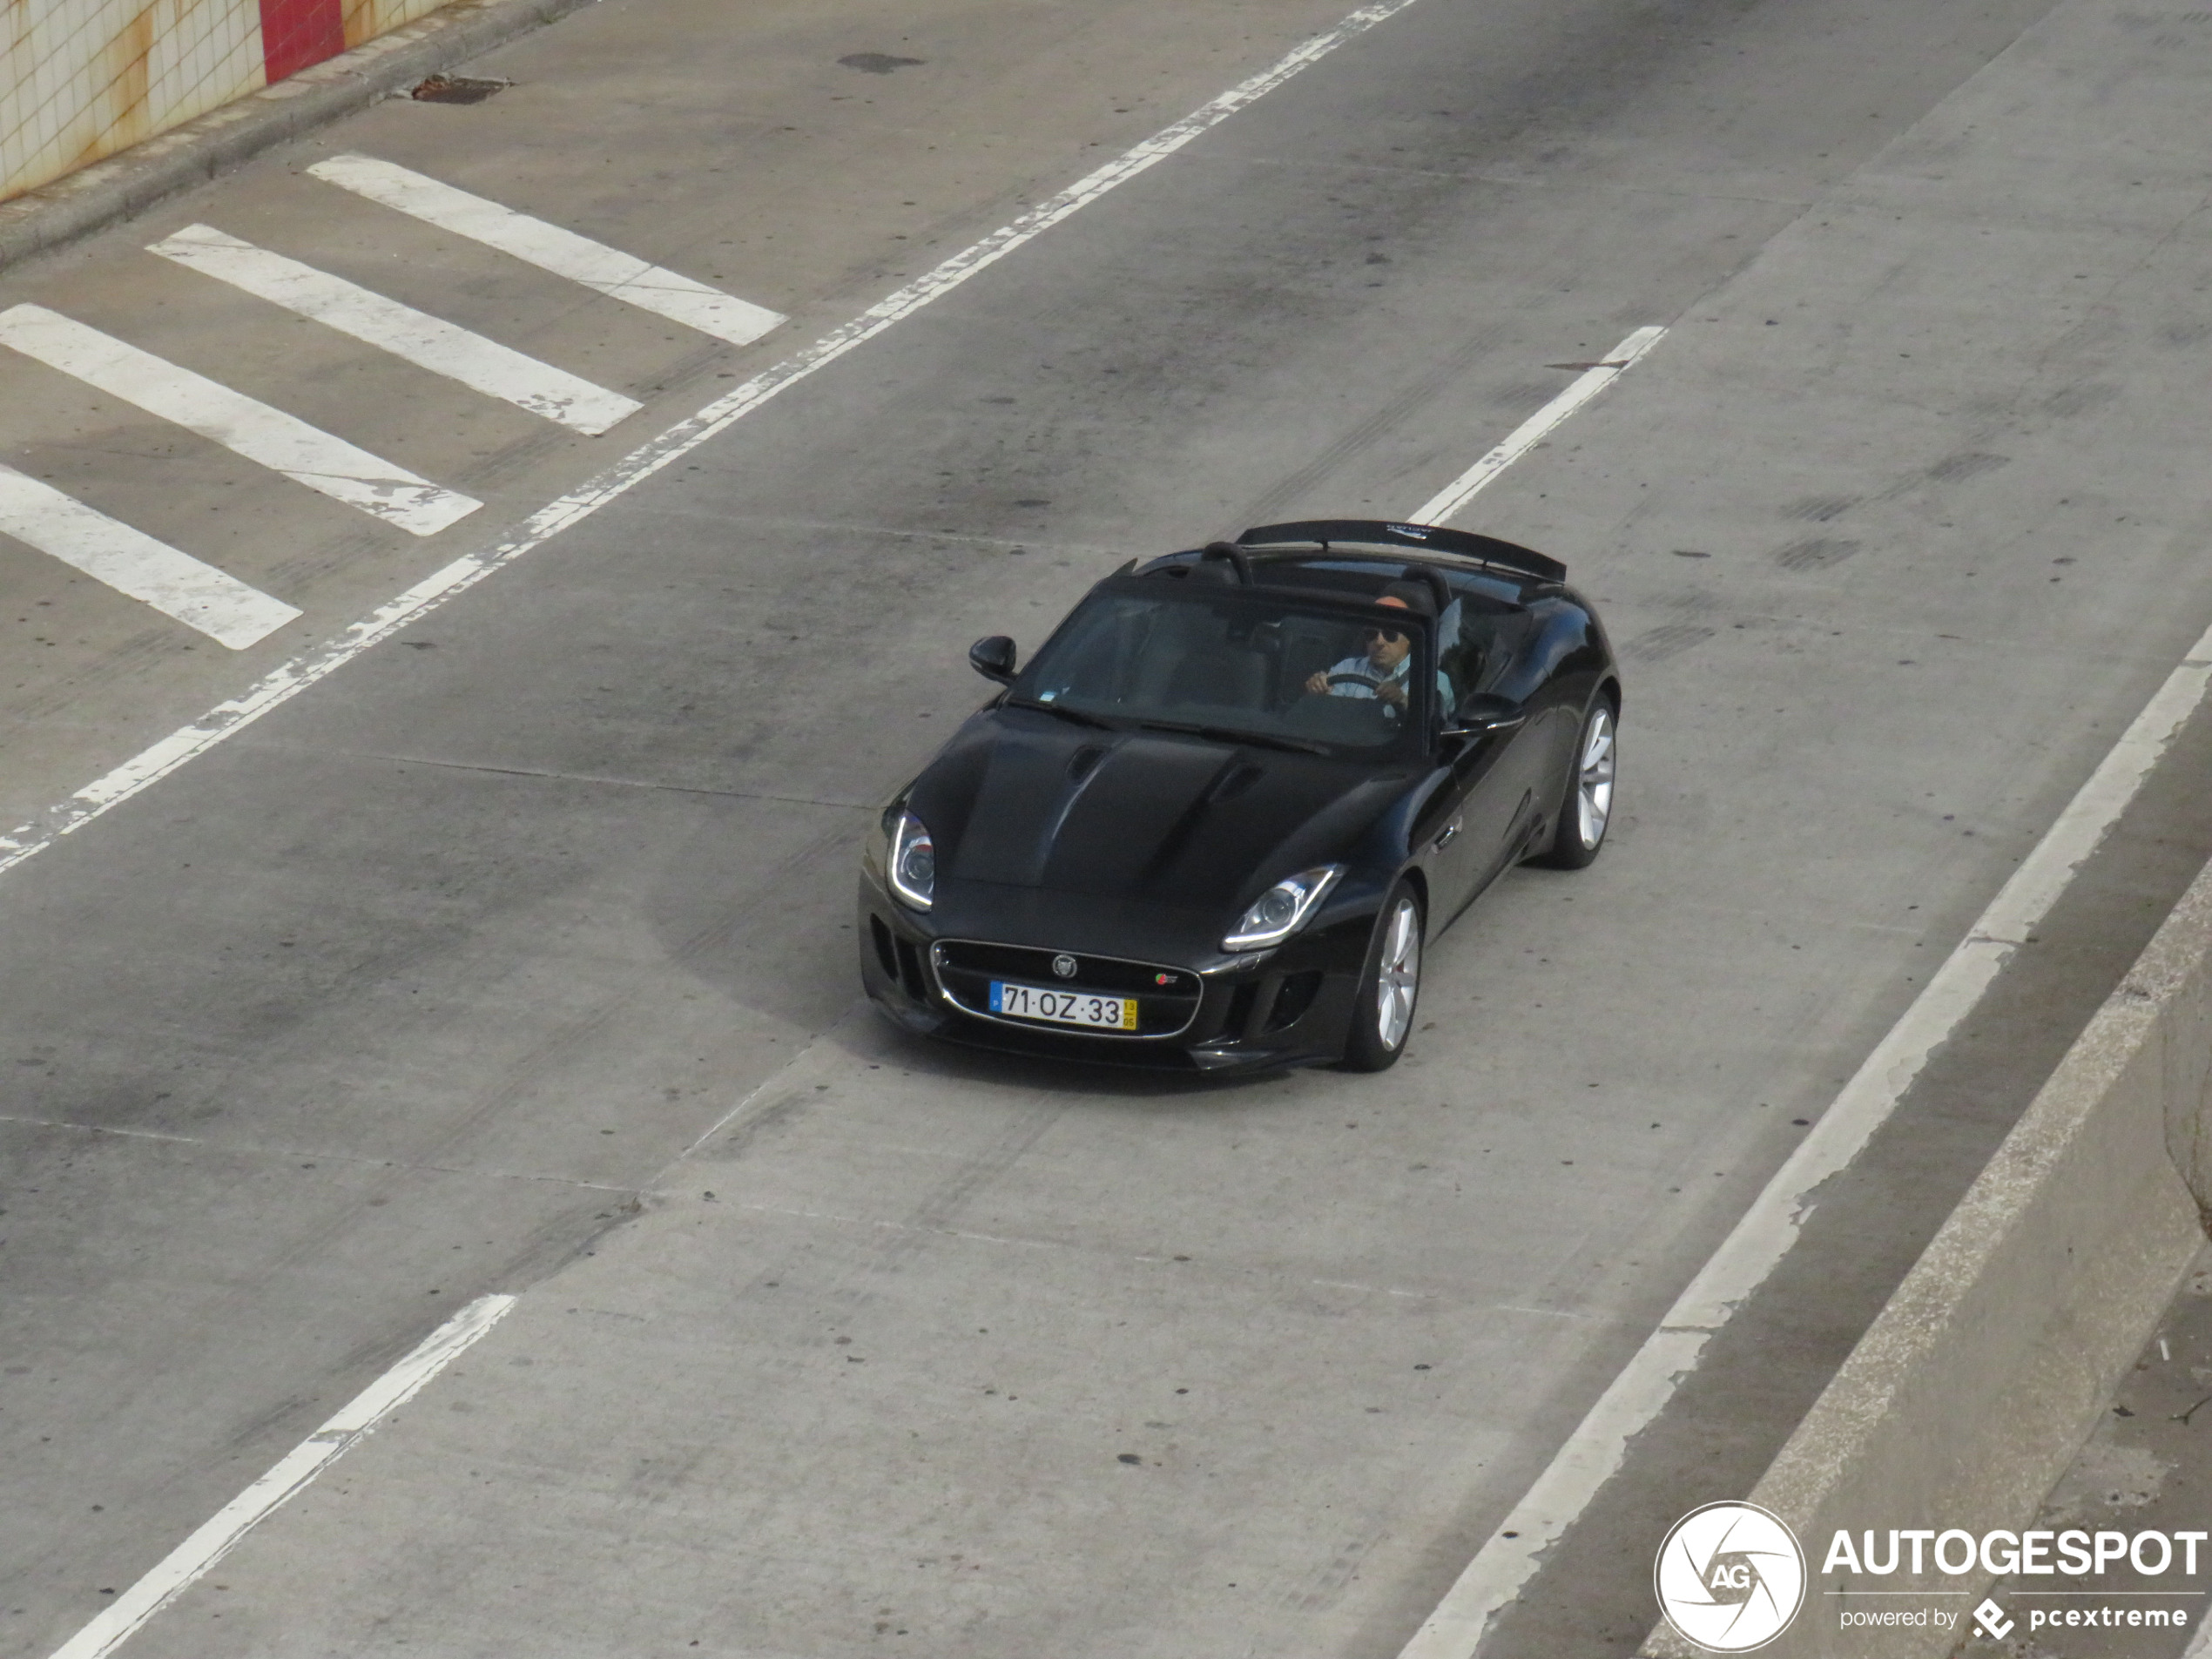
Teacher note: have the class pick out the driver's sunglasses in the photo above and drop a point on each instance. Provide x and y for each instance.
(1388, 636)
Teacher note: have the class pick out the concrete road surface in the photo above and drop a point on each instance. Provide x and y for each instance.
(516, 954)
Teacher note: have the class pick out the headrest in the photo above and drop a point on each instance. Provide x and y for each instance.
(1415, 596)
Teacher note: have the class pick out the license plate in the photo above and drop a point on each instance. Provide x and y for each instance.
(1064, 1008)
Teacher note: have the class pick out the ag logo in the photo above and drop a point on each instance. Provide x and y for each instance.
(1730, 1577)
(1064, 966)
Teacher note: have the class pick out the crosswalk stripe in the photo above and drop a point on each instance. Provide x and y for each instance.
(622, 276)
(429, 343)
(282, 442)
(131, 561)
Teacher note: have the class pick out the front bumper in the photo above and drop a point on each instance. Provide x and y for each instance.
(1203, 1010)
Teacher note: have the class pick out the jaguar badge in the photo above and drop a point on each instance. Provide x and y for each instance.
(1064, 966)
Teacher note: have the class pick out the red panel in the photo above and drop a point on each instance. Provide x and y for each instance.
(295, 33)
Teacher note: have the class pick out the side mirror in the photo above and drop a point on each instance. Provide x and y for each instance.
(1481, 712)
(992, 658)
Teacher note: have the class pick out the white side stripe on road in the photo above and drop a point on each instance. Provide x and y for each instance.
(427, 341)
(622, 276)
(131, 561)
(1763, 1236)
(2201, 1642)
(282, 442)
(176, 1572)
(1462, 489)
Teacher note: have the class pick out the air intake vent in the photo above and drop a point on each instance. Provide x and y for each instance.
(1292, 1001)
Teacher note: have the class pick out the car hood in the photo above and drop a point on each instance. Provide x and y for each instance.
(1025, 800)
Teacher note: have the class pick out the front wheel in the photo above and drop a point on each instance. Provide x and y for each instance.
(1382, 1013)
(1585, 803)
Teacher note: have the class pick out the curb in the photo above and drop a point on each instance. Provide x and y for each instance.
(1976, 1385)
(212, 145)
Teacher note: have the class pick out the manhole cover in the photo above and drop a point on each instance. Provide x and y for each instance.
(456, 89)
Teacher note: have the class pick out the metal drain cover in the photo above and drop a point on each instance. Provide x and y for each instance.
(456, 89)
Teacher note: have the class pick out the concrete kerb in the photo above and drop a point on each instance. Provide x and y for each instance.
(1974, 1387)
(215, 143)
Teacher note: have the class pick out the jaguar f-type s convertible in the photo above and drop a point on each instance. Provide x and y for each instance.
(1210, 824)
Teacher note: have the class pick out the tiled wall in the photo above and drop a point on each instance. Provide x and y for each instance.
(80, 80)
(366, 19)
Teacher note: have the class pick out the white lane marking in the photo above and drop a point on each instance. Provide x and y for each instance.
(1767, 1231)
(281, 685)
(280, 441)
(132, 563)
(427, 341)
(2201, 1642)
(619, 275)
(175, 1573)
(1439, 508)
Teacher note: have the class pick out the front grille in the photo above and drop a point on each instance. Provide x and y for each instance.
(1092, 973)
(1167, 997)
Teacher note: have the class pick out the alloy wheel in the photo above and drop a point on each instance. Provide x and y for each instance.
(1398, 976)
(1594, 778)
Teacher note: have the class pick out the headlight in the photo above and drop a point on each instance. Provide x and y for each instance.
(914, 863)
(1282, 910)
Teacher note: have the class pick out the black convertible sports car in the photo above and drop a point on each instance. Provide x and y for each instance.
(1212, 821)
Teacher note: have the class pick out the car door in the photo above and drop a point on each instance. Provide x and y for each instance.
(1479, 806)
(1496, 776)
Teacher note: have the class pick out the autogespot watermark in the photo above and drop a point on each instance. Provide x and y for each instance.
(1730, 1577)
(2072, 1554)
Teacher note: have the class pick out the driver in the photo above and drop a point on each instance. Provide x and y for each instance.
(1381, 672)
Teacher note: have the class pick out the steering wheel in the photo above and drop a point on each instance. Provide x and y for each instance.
(1354, 679)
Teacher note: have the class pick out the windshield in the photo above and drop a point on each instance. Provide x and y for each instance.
(1236, 662)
